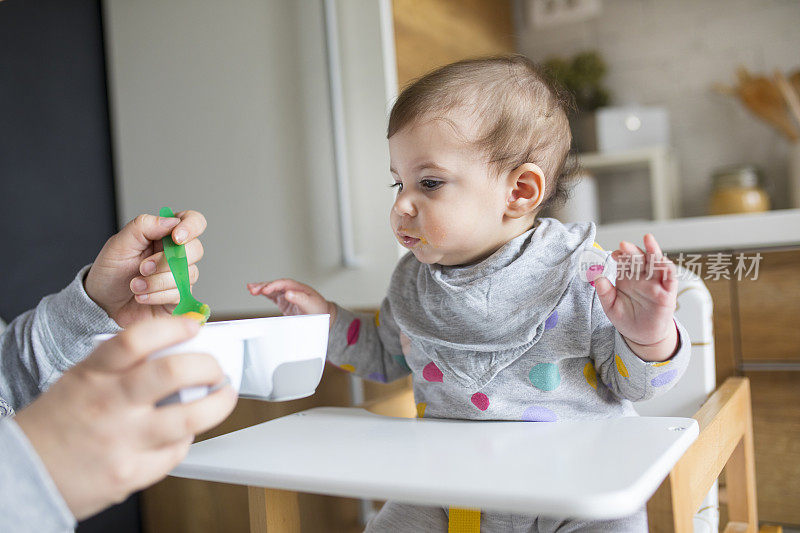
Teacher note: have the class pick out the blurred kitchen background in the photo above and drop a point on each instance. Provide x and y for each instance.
(269, 117)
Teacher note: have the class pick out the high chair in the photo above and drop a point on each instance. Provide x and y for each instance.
(672, 460)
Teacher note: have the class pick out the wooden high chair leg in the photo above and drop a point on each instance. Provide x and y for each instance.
(725, 441)
(740, 478)
(273, 511)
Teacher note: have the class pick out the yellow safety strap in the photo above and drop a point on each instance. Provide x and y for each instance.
(464, 521)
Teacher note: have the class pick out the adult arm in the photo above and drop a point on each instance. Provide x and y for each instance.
(30, 501)
(39, 345)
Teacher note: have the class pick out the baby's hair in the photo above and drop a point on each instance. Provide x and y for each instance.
(521, 114)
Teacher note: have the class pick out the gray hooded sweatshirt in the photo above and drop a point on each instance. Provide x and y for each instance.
(35, 349)
(520, 335)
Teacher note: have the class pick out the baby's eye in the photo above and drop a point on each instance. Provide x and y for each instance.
(397, 185)
(430, 184)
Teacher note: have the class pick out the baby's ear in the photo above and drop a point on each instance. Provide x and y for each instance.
(526, 185)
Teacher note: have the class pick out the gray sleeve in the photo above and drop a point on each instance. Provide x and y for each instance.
(39, 345)
(30, 500)
(368, 345)
(630, 377)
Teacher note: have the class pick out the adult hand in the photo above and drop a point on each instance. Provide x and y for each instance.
(98, 430)
(130, 278)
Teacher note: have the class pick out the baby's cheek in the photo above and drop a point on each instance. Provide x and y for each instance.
(437, 235)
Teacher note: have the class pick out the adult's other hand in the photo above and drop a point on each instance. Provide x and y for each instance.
(98, 430)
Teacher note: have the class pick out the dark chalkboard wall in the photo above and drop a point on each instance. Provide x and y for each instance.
(56, 182)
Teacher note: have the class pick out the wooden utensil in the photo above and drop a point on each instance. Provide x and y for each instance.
(794, 79)
(789, 93)
(764, 99)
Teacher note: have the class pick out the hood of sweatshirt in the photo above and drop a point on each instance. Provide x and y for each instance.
(473, 321)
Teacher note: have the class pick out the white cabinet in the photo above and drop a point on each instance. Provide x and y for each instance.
(223, 107)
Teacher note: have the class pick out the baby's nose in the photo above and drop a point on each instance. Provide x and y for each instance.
(404, 207)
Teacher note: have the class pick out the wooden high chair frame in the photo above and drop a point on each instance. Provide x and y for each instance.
(725, 442)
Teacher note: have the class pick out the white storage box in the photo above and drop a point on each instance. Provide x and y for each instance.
(627, 128)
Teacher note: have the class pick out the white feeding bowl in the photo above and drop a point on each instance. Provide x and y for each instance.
(274, 359)
(283, 356)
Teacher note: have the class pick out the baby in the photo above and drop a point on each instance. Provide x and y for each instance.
(493, 311)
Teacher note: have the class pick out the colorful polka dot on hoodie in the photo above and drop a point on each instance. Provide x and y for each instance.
(353, 331)
(480, 400)
(401, 360)
(662, 379)
(545, 376)
(537, 413)
(551, 321)
(590, 374)
(621, 368)
(432, 373)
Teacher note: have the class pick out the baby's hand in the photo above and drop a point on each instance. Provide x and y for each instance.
(643, 302)
(294, 298)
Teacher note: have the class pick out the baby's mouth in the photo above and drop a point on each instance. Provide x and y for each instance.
(408, 241)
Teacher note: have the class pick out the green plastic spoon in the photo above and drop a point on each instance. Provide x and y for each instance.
(176, 259)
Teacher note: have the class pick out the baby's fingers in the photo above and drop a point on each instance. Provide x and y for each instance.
(300, 299)
(282, 285)
(277, 296)
(652, 247)
(306, 303)
(626, 250)
(670, 278)
(283, 305)
(630, 248)
(255, 287)
(630, 261)
(607, 294)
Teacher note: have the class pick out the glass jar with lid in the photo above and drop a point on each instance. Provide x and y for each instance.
(738, 190)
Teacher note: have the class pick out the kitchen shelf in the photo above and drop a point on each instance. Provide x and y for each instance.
(721, 232)
(659, 161)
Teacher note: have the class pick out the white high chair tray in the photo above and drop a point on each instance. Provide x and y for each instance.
(583, 469)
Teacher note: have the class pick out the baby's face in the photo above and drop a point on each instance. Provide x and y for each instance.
(449, 207)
